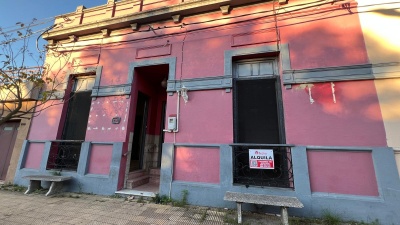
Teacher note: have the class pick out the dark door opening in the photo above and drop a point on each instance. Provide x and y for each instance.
(256, 112)
(77, 116)
(139, 132)
(8, 134)
(64, 154)
(258, 120)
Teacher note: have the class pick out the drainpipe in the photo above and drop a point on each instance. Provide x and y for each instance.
(174, 131)
(177, 112)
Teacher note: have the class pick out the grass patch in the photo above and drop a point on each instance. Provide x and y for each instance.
(40, 190)
(230, 217)
(165, 200)
(203, 215)
(12, 187)
(329, 218)
(183, 201)
(116, 196)
(375, 222)
(55, 172)
(140, 200)
(302, 221)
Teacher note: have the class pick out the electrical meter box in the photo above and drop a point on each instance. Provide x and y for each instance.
(171, 123)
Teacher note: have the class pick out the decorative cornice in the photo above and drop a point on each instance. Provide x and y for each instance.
(283, 2)
(105, 32)
(134, 26)
(159, 14)
(176, 18)
(225, 9)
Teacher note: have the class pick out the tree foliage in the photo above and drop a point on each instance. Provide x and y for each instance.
(26, 84)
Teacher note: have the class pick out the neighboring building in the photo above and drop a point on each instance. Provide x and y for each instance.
(301, 77)
(14, 132)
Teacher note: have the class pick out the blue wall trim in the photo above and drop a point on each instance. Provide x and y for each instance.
(82, 181)
(342, 73)
(350, 207)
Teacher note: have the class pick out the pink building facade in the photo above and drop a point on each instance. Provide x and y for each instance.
(293, 77)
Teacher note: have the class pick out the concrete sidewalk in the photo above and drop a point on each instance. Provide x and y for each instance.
(70, 208)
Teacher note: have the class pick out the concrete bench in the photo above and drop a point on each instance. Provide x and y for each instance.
(283, 201)
(56, 183)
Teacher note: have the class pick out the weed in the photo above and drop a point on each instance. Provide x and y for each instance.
(329, 218)
(74, 196)
(301, 221)
(185, 193)
(55, 172)
(183, 201)
(140, 200)
(40, 190)
(375, 222)
(13, 187)
(116, 196)
(229, 219)
(163, 199)
(203, 215)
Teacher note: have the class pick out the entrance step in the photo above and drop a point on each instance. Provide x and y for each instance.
(155, 175)
(136, 174)
(130, 192)
(138, 181)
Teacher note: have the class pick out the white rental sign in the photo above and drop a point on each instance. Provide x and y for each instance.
(261, 158)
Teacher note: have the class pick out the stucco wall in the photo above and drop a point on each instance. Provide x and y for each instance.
(346, 172)
(343, 113)
(383, 46)
(354, 120)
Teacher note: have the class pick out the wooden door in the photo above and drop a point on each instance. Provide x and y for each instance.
(8, 134)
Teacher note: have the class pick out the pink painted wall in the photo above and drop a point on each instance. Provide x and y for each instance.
(100, 159)
(100, 127)
(342, 172)
(197, 165)
(206, 118)
(195, 68)
(45, 125)
(34, 155)
(119, 58)
(317, 42)
(354, 120)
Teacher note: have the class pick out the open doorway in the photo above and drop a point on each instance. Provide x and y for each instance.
(139, 132)
(147, 122)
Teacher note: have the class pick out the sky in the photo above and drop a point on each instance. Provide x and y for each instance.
(13, 11)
